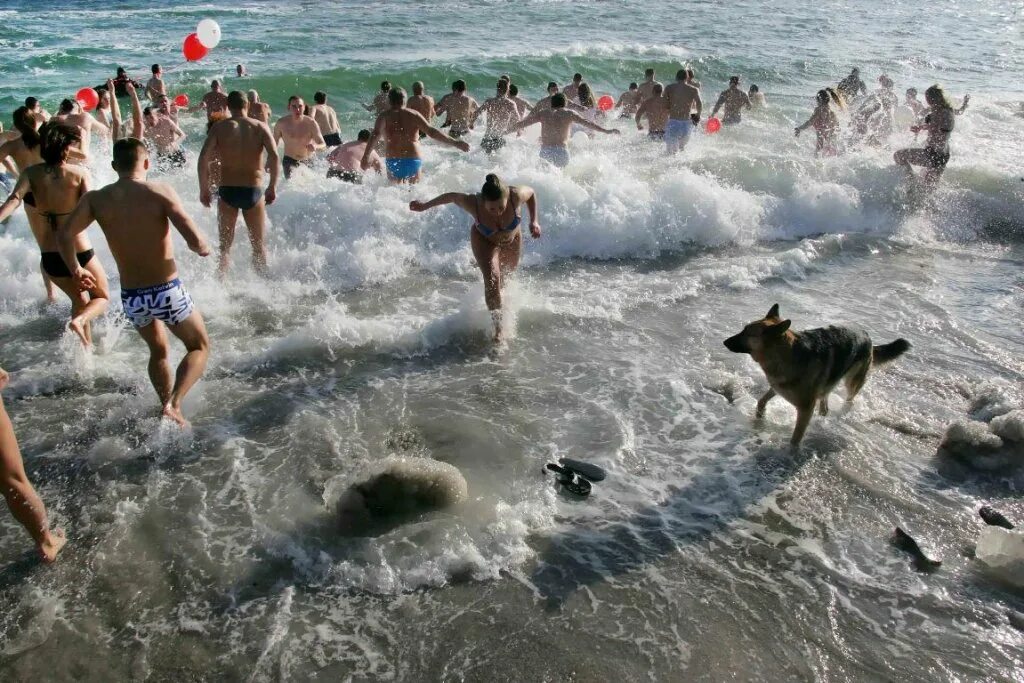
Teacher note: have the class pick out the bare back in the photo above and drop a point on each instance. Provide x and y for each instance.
(326, 118)
(424, 104)
(682, 98)
(240, 142)
(22, 155)
(55, 192)
(555, 126)
(460, 110)
(401, 132)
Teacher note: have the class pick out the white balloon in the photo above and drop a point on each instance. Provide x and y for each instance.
(208, 32)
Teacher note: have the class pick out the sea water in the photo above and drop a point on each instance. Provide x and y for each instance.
(710, 552)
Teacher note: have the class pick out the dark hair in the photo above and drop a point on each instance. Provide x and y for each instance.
(25, 122)
(56, 138)
(396, 96)
(121, 71)
(66, 106)
(155, 69)
(937, 96)
(147, 111)
(648, 72)
(417, 88)
(658, 89)
(586, 96)
(494, 189)
(552, 84)
(385, 86)
(31, 102)
(215, 84)
(576, 78)
(513, 90)
(754, 88)
(734, 80)
(558, 100)
(459, 86)
(320, 97)
(505, 77)
(681, 75)
(127, 153)
(363, 135)
(633, 86)
(237, 101)
(292, 99)
(502, 87)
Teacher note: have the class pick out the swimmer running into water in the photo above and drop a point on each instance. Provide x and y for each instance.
(400, 127)
(555, 127)
(939, 124)
(495, 237)
(825, 122)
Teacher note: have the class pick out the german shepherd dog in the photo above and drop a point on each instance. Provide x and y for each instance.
(804, 367)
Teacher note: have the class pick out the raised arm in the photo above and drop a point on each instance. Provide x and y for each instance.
(963, 105)
(15, 199)
(203, 166)
(460, 199)
(115, 113)
(183, 223)
(138, 127)
(80, 219)
(273, 163)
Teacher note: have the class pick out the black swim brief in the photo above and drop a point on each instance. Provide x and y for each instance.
(289, 164)
(492, 143)
(332, 139)
(175, 159)
(30, 199)
(347, 176)
(54, 266)
(240, 197)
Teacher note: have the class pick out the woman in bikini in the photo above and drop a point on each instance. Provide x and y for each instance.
(825, 122)
(495, 237)
(51, 190)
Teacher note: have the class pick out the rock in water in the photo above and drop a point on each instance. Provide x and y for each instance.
(397, 489)
(1002, 553)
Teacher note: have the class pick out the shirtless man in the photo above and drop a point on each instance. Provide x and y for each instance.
(647, 87)
(572, 90)
(240, 71)
(301, 136)
(240, 142)
(213, 102)
(502, 115)
(555, 127)
(655, 108)
(630, 101)
(380, 100)
(757, 100)
(459, 107)
(731, 101)
(682, 99)
(545, 103)
(424, 104)
(258, 110)
(345, 160)
(400, 128)
(522, 105)
(71, 113)
(134, 215)
(155, 85)
(326, 118)
(165, 137)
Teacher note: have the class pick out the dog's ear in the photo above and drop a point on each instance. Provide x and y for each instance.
(779, 329)
(774, 312)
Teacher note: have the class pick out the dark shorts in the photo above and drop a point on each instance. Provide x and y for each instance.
(30, 199)
(288, 164)
(241, 198)
(656, 135)
(175, 159)
(54, 266)
(458, 133)
(332, 139)
(347, 176)
(928, 157)
(492, 143)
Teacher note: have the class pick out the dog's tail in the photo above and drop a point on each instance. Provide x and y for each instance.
(886, 353)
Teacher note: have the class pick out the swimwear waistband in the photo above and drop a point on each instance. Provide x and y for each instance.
(153, 289)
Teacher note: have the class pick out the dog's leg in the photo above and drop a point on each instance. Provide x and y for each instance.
(823, 405)
(855, 382)
(763, 403)
(803, 418)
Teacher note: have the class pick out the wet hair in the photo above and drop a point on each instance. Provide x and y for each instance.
(147, 111)
(237, 100)
(66, 106)
(854, 71)
(502, 87)
(885, 81)
(633, 86)
(121, 72)
(320, 97)
(506, 78)
(734, 80)
(830, 95)
(417, 88)
(239, 69)
(754, 88)
(31, 102)
(936, 95)
(494, 189)
(128, 152)
(396, 96)
(155, 69)
(385, 86)
(363, 135)
(215, 84)
(552, 84)
(648, 72)
(577, 78)
(513, 90)
(586, 96)
(459, 86)
(682, 74)
(56, 139)
(912, 92)
(558, 100)
(293, 98)
(24, 120)
(658, 89)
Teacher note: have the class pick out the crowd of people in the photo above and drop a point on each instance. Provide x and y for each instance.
(50, 155)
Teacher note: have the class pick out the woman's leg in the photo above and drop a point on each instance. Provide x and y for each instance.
(94, 305)
(488, 258)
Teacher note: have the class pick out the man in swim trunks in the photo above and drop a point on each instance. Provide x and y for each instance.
(572, 90)
(301, 135)
(731, 101)
(647, 87)
(240, 142)
(155, 86)
(556, 127)
(424, 104)
(400, 127)
(655, 108)
(345, 160)
(522, 105)
(165, 136)
(683, 99)
(459, 107)
(630, 101)
(326, 118)
(135, 216)
(502, 114)
(380, 100)
(257, 109)
(214, 101)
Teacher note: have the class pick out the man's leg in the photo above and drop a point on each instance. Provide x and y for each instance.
(227, 217)
(159, 367)
(256, 221)
(192, 333)
(22, 499)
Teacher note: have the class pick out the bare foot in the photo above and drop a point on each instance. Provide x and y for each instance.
(172, 413)
(78, 328)
(49, 548)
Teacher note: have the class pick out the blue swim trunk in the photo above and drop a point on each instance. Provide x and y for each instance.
(677, 130)
(402, 169)
(168, 302)
(559, 156)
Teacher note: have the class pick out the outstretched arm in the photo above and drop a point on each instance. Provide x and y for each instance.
(458, 198)
(14, 200)
(183, 223)
(273, 164)
(479, 110)
(592, 126)
(80, 219)
(439, 136)
(5, 154)
(530, 119)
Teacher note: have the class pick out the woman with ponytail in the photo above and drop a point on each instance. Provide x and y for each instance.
(825, 122)
(495, 236)
(51, 190)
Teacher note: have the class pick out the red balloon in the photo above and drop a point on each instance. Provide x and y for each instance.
(88, 98)
(193, 49)
(181, 100)
(713, 125)
(605, 103)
